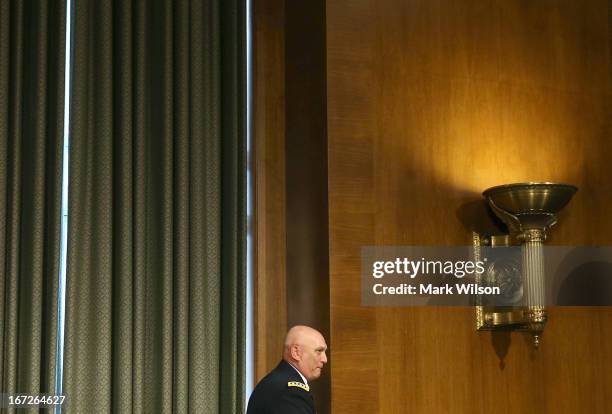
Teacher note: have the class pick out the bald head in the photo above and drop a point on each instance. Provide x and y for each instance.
(305, 349)
(300, 334)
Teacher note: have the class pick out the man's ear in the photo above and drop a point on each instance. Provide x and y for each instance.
(295, 352)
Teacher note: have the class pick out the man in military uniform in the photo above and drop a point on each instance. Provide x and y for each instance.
(285, 390)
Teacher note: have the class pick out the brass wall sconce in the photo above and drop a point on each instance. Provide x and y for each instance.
(528, 210)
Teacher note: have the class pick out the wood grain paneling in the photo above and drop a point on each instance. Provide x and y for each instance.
(270, 314)
(289, 125)
(429, 103)
(306, 176)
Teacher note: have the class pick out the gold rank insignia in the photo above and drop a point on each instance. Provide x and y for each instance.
(299, 385)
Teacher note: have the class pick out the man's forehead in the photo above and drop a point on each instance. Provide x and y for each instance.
(320, 343)
(315, 342)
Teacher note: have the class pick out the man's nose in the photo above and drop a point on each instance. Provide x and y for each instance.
(324, 359)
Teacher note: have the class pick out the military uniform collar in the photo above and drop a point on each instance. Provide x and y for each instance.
(298, 371)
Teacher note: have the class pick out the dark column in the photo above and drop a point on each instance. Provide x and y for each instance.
(306, 175)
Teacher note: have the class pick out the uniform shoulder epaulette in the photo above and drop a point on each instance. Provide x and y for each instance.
(299, 385)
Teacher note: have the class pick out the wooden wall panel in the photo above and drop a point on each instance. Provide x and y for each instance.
(270, 313)
(289, 125)
(306, 176)
(429, 103)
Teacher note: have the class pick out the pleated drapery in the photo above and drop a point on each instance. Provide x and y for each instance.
(156, 261)
(32, 46)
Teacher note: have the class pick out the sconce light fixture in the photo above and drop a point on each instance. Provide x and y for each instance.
(528, 210)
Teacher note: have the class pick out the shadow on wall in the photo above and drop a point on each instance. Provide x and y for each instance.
(590, 284)
(476, 216)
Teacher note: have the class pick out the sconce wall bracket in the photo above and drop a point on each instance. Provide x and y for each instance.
(491, 318)
(529, 210)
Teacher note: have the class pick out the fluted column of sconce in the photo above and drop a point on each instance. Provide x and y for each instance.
(534, 284)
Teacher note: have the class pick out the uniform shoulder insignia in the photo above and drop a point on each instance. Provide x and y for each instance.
(299, 385)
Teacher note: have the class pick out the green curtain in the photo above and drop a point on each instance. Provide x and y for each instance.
(155, 306)
(31, 139)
